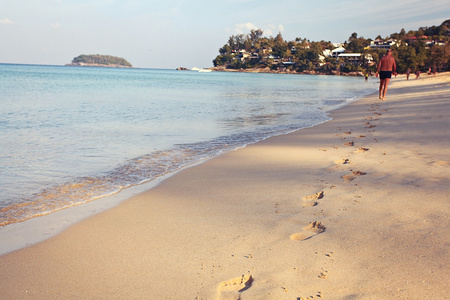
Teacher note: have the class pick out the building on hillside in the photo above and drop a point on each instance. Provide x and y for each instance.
(432, 43)
(337, 51)
(369, 58)
(265, 51)
(274, 58)
(254, 56)
(288, 63)
(356, 58)
(243, 55)
(327, 53)
(381, 44)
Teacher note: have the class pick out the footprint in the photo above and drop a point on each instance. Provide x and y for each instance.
(311, 230)
(343, 161)
(329, 254)
(323, 275)
(349, 177)
(361, 150)
(353, 175)
(358, 173)
(232, 289)
(309, 201)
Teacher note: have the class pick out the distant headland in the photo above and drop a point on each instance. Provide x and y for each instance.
(97, 60)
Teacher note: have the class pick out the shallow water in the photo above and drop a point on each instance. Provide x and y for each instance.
(69, 135)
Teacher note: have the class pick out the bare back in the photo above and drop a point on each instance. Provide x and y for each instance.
(387, 63)
(386, 67)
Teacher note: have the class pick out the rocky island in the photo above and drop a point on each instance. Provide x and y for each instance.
(98, 60)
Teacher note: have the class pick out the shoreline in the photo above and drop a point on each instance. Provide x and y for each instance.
(42, 227)
(253, 223)
(278, 71)
(8, 229)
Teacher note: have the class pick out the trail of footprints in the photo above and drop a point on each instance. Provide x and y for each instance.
(233, 288)
(317, 227)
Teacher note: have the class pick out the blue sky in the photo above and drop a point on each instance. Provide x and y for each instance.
(188, 33)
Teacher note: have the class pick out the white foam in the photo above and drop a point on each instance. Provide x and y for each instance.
(35, 230)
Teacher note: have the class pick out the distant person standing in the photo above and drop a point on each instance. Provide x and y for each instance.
(408, 72)
(385, 69)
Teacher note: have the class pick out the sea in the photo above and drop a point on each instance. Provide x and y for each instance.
(71, 135)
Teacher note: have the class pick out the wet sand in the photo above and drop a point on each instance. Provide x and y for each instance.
(355, 208)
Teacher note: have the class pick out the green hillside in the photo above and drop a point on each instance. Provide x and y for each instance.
(100, 60)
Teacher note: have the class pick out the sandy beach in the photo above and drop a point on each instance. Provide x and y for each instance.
(355, 208)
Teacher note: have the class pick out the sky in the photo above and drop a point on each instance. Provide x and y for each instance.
(189, 33)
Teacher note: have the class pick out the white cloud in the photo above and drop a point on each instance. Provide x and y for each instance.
(272, 30)
(6, 21)
(244, 28)
(55, 25)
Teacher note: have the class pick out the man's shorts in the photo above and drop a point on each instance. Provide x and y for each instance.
(385, 74)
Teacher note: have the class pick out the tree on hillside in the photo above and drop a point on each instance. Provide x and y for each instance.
(421, 54)
(255, 35)
(439, 56)
(231, 43)
(303, 54)
(404, 57)
(280, 47)
(326, 45)
(355, 45)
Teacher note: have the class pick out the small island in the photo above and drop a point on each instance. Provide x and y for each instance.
(97, 60)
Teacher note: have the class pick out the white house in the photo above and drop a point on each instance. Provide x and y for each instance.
(243, 55)
(356, 57)
(337, 51)
(380, 44)
(276, 59)
(327, 53)
(352, 57)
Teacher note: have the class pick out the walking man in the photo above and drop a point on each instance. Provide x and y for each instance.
(385, 69)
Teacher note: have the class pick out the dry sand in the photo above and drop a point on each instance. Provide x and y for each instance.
(355, 208)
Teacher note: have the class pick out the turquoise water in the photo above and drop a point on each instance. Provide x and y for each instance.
(69, 135)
